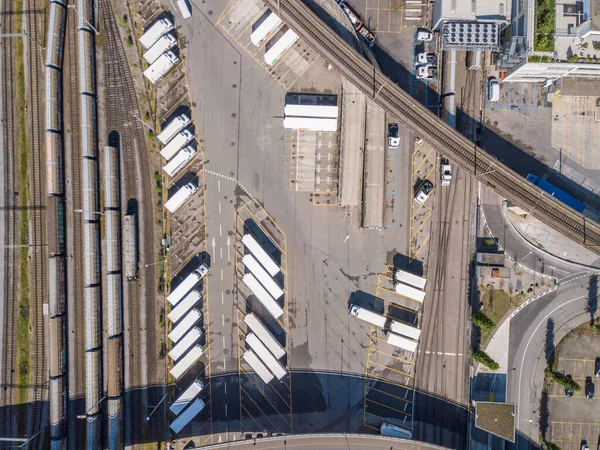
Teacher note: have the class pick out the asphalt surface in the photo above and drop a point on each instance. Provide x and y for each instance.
(549, 318)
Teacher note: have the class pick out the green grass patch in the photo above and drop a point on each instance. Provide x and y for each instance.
(544, 26)
(539, 59)
(496, 303)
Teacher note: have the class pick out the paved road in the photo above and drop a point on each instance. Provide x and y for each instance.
(554, 315)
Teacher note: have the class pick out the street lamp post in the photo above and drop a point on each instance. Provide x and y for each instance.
(143, 123)
(83, 18)
(22, 34)
(156, 407)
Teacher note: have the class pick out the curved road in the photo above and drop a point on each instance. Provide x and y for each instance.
(566, 309)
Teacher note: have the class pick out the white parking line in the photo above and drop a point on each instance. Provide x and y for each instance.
(223, 341)
(219, 207)
(220, 230)
(222, 320)
(221, 274)
(222, 298)
(221, 250)
(219, 185)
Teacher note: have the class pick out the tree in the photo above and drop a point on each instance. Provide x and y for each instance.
(483, 321)
(482, 357)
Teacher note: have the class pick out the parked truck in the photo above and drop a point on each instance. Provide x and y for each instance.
(264, 335)
(187, 396)
(161, 67)
(187, 284)
(184, 306)
(180, 197)
(445, 172)
(185, 343)
(179, 160)
(368, 316)
(357, 23)
(406, 330)
(186, 416)
(266, 356)
(256, 364)
(263, 276)
(164, 44)
(261, 294)
(169, 131)
(184, 364)
(266, 29)
(183, 138)
(283, 44)
(410, 278)
(153, 33)
(402, 342)
(260, 254)
(185, 325)
(411, 292)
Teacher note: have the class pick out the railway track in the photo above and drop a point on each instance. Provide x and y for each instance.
(122, 104)
(10, 290)
(39, 256)
(459, 150)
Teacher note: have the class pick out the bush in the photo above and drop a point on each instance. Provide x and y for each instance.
(544, 26)
(539, 59)
(551, 446)
(483, 321)
(596, 45)
(482, 357)
(489, 242)
(573, 59)
(562, 379)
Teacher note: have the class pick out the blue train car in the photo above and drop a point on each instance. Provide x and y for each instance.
(561, 195)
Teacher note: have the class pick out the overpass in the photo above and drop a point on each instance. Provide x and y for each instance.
(436, 132)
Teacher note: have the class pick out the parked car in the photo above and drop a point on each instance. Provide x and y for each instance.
(445, 172)
(584, 446)
(493, 90)
(569, 391)
(393, 138)
(597, 368)
(426, 72)
(424, 34)
(427, 58)
(589, 388)
(424, 192)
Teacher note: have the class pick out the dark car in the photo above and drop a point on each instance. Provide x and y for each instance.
(597, 368)
(424, 191)
(569, 391)
(589, 388)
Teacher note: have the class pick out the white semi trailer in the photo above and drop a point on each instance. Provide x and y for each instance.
(263, 334)
(164, 43)
(261, 255)
(256, 364)
(402, 342)
(183, 138)
(185, 325)
(186, 362)
(186, 416)
(180, 197)
(263, 296)
(413, 293)
(187, 396)
(153, 33)
(185, 343)
(263, 276)
(410, 278)
(172, 128)
(179, 160)
(161, 66)
(187, 284)
(266, 29)
(184, 306)
(368, 316)
(405, 330)
(266, 356)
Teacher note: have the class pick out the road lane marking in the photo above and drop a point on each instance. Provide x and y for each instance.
(219, 207)
(223, 341)
(223, 320)
(220, 230)
(225, 408)
(225, 387)
(224, 364)
(222, 298)
(428, 352)
(221, 250)
(219, 187)
(221, 274)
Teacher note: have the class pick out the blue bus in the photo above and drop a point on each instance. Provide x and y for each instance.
(561, 195)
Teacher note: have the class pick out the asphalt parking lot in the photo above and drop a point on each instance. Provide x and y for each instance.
(576, 419)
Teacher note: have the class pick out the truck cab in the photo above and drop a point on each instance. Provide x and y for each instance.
(393, 138)
(426, 72)
(445, 172)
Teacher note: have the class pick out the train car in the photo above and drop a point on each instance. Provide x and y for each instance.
(93, 432)
(55, 42)
(91, 253)
(130, 247)
(114, 366)
(87, 64)
(57, 399)
(87, 125)
(111, 178)
(93, 380)
(56, 226)
(54, 163)
(114, 304)
(112, 254)
(85, 12)
(115, 424)
(58, 346)
(53, 99)
(57, 289)
(90, 190)
(561, 195)
(93, 318)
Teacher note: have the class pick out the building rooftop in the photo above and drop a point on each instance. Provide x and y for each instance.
(579, 87)
(471, 10)
(496, 418)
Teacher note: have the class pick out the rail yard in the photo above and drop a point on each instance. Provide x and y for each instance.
(224, 222)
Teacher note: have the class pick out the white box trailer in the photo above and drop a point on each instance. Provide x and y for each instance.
(264, 335)
(405, 330)
(164, 43)
(266, 356)
(266, 29)
(283, 44)
(309, 124)
(180, 197)
(185, 325)
(186, 362)
(402, 342)
(184, 8)
(185, 343)
(184, 306)
(176, 144)
(186, 416)
(368, 316)
(260, 369)
(172, 128)
(179, 160)
(186, 285)
(330, 112)
(394, 431)
(261, 275)
(410, 278)
(187, 396)
(161, 66)
(410, 292)
(154, 32)
(260, 254)
(263, 296)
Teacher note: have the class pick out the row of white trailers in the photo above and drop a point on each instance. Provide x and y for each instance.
(265, 34)
(264, 351)
(158, 41)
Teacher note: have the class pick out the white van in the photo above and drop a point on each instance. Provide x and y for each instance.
(493, 90)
